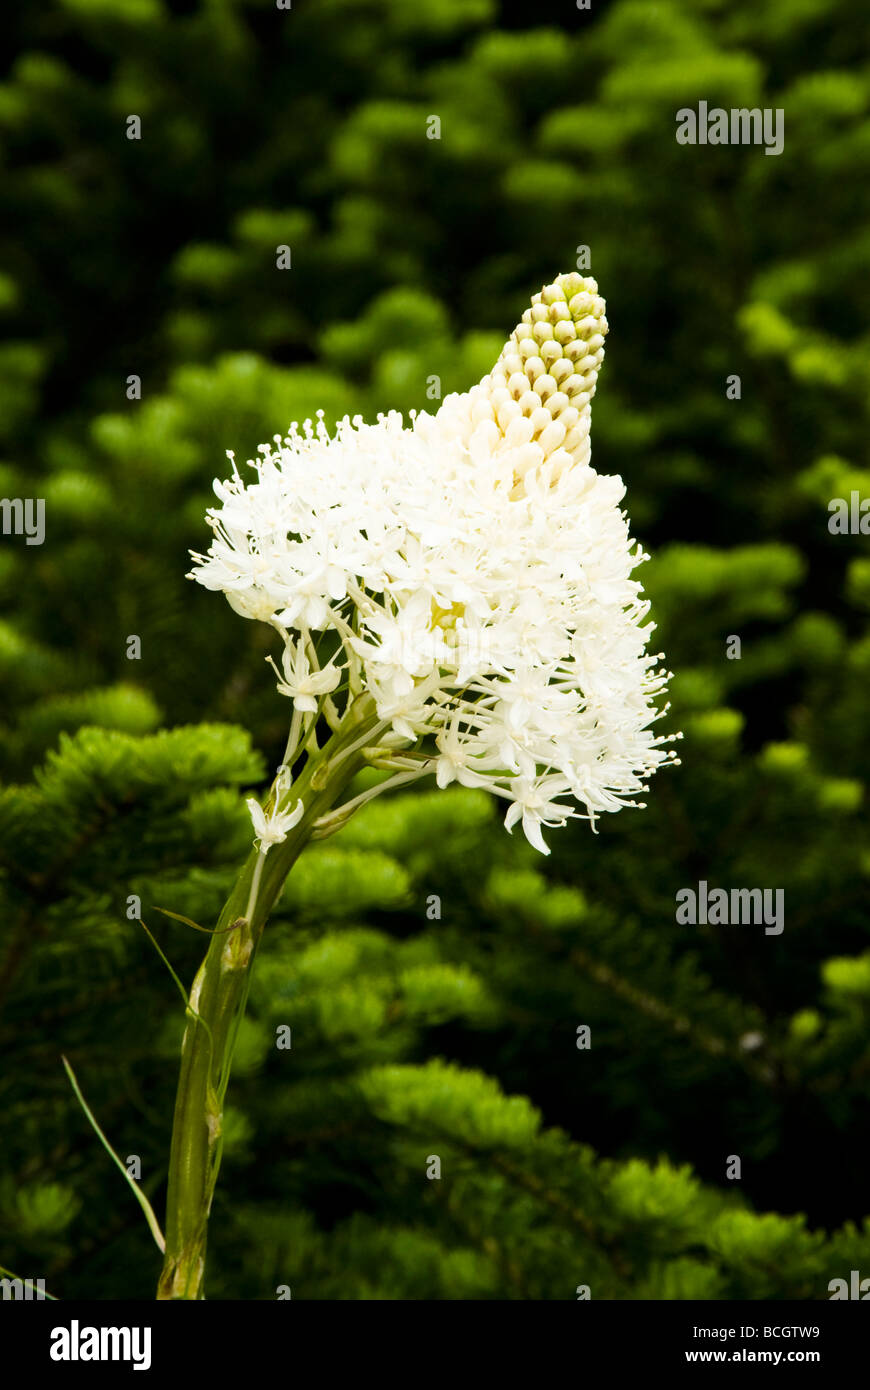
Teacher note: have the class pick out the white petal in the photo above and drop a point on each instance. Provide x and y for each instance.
(532, 830)
(258, 817)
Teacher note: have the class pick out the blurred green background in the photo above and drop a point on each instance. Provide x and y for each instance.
(415, 1035)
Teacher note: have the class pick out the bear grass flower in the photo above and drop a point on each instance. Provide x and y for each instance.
(272, 829)
(471, 572)
(455, 597)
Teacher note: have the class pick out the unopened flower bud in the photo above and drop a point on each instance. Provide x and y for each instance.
(546, 375)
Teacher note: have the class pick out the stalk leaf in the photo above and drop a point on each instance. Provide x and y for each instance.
(137, 1191)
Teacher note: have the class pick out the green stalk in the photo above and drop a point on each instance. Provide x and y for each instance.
(219, 996)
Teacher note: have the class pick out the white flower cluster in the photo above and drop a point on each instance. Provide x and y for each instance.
(471, 571)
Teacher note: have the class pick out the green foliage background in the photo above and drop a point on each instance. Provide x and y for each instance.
(413, 257)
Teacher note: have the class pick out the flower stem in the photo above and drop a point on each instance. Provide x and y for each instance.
(218, 998)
